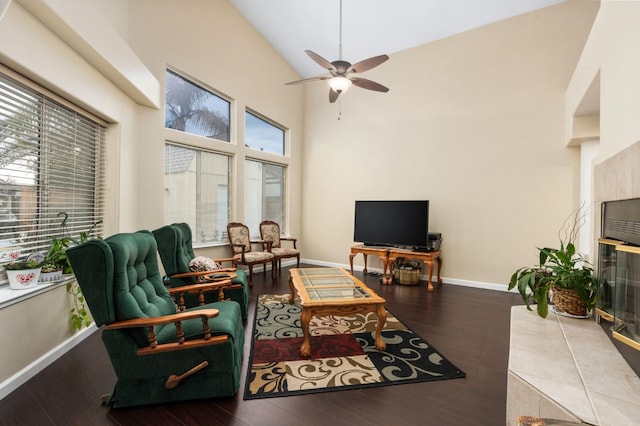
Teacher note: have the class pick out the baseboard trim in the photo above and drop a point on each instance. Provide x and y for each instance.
(22, 376)
(448, 280)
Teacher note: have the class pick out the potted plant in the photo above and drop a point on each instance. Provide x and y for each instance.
(23, 274)
(562, 273)
(57, 255)
(55, 261)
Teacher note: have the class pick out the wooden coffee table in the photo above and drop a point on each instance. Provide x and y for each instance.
(333, 291)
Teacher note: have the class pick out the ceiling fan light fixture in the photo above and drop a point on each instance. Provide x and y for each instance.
(339, 84)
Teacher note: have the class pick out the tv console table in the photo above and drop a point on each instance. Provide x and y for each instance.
(381, 252)
(388, 255)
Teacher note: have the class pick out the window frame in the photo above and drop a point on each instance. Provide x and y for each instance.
(282, 222)
(266, 120)
(229, 172)
(238, 152)
(51, 135)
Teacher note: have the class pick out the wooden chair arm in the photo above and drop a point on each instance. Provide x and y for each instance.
(293, 240)
(203, 273)
(177, 318)
(166, 319)
(266, 244)
(196, 288)
(201, 289)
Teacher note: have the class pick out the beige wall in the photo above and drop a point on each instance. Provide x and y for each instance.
(475, 124)
(212, 43)
(607, 60)
(31, 49)
(209, 41)
(610, 51)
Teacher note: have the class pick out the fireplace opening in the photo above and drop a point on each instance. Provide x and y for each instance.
(619, 266)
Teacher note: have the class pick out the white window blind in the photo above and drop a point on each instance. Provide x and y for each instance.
(51, 161)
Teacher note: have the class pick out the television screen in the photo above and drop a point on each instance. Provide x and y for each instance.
(392, 223)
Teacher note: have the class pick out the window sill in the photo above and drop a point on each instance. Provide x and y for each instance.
(9, 296)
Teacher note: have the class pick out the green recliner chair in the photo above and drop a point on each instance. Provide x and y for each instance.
(159, 355)
(175, 246)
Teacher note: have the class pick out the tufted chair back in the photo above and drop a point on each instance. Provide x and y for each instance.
(176, 251)
(120, 278)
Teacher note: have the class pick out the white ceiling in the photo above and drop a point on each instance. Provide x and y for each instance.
(370, 27)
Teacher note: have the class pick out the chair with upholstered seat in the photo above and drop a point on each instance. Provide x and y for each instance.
(159, 355)
(243, 253)
(175, 245)
(270, 231)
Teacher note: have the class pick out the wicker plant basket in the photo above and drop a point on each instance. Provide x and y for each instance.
(566, 300)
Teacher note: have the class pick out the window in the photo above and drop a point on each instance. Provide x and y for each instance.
(262, 135)
(197, 191)
(50, 162)
(193, 109)
(264, 194)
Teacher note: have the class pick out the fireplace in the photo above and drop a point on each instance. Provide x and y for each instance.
(619, 266)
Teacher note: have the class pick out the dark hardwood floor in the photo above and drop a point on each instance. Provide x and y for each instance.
(468, 326)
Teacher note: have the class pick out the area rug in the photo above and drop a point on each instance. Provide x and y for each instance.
(343, 353)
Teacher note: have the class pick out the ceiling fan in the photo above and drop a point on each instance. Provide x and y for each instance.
(340, 79)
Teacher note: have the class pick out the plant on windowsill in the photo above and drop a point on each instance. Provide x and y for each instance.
(55, 260)
(564, 273)
(23, 274)
(57, 257)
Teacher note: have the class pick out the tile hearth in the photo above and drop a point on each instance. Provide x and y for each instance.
(568, 369)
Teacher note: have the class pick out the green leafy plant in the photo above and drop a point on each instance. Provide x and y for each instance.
(558, 268)
(79, 314)
(57, 256)
(17, 266)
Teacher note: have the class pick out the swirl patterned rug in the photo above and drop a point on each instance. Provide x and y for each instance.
(343, 353)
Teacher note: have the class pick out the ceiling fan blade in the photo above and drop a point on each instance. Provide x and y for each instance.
(333, 95)
(321, 61)
(307, 80)
(367, 64)
(368, 84)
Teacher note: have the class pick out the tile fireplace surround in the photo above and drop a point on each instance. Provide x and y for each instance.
(575, 373)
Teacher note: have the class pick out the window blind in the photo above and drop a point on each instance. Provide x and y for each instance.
(51, 166)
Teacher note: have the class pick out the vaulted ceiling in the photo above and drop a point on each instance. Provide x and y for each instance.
(369, 27)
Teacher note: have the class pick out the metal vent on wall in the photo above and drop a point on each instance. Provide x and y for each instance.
(621, 220)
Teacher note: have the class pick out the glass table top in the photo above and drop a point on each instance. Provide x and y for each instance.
(331, 284)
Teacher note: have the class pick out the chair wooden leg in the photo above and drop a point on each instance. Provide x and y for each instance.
(274, 269)
(250, 275)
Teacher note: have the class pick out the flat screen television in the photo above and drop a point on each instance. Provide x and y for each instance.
(392, 223)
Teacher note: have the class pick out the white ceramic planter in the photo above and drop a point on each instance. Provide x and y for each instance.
(23, 278)
(50, 277)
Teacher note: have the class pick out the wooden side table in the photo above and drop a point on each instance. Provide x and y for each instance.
(382, 253)
(427, 257)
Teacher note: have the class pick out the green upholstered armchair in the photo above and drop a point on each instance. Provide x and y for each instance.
(270, 231)
(159, 355)
(176, 252)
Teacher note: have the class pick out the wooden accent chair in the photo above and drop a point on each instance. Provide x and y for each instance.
(241, 247)
(175, 245)
(159, 355)
(270, 231)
